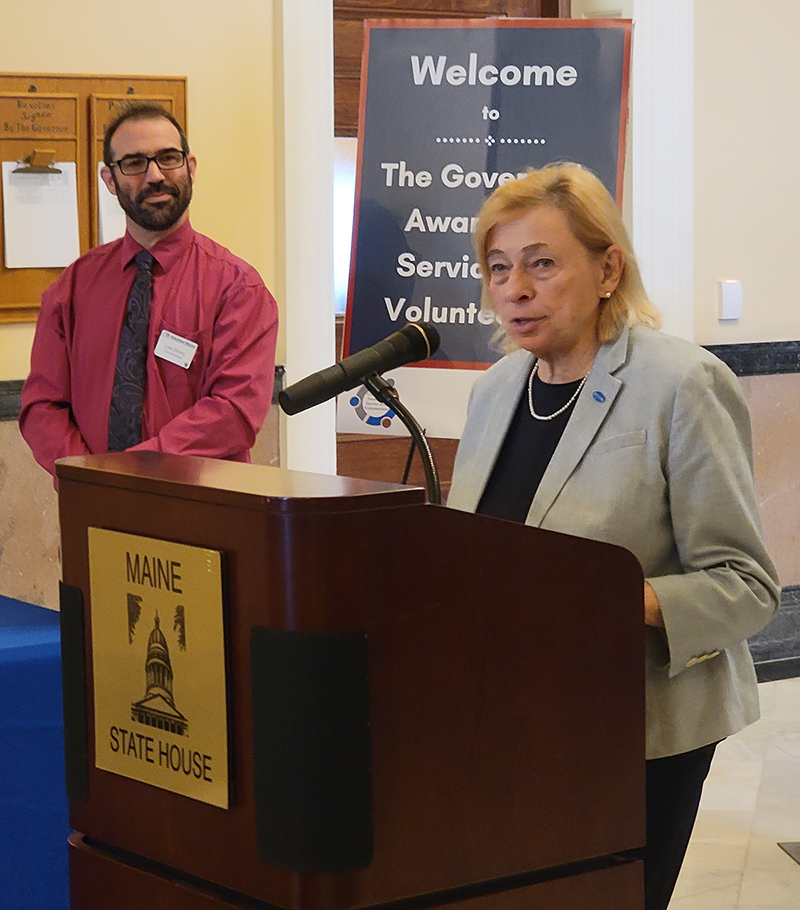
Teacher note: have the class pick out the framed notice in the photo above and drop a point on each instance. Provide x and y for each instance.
(158, 646)
(450, 109)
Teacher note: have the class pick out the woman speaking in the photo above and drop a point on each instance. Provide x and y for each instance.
(598, 425)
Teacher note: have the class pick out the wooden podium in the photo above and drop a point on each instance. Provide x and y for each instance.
(425, 707)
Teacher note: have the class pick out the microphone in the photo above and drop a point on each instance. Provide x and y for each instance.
(415, 341)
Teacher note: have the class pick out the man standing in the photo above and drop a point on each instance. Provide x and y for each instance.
(162, 340)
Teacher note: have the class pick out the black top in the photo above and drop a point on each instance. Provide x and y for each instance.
(527, 450)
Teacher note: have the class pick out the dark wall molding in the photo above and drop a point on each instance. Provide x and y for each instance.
(776, 648)
(10, 390)
(759, 358)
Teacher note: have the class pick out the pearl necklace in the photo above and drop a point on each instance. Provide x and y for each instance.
(560, 410)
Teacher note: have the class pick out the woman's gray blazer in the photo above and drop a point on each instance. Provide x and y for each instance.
(657, 459)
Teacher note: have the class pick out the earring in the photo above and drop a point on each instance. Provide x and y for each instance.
(607, 294)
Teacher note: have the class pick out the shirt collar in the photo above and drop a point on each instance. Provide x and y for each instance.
(165, 252)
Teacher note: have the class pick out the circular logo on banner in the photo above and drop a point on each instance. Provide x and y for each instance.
(371, 411)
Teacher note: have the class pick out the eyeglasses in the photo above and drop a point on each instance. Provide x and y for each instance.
(167, 160)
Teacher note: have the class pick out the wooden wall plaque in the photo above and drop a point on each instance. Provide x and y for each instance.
(31, 123)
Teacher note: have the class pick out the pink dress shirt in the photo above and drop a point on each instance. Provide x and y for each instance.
(201, 292)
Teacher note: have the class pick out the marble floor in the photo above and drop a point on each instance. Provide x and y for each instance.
(751, 802)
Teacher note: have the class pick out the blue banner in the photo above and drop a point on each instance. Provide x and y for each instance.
(449, 110)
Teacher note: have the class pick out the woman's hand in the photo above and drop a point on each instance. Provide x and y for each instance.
(652, 609)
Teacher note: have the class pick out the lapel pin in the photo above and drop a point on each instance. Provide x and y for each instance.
(599, 396)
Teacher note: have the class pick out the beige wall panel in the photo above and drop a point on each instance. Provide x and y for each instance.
(29, 566)
(774, 403)
(747, 194)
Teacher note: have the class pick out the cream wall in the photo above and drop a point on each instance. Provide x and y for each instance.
(227, 52)
(746, 74)
(15, 346)
(746, 186)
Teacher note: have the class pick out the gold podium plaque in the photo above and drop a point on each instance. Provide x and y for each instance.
(158, 640)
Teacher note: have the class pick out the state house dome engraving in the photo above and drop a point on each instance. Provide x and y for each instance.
(157, 708)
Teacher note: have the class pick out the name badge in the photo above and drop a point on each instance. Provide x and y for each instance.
(175, 349)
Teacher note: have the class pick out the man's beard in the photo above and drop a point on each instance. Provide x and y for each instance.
(159, 217)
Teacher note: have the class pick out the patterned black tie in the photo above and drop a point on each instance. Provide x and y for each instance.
(125, 414)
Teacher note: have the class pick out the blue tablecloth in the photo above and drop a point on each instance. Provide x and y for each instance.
(33, 804)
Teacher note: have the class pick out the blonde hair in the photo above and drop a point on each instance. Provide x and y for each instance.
(595, 222)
